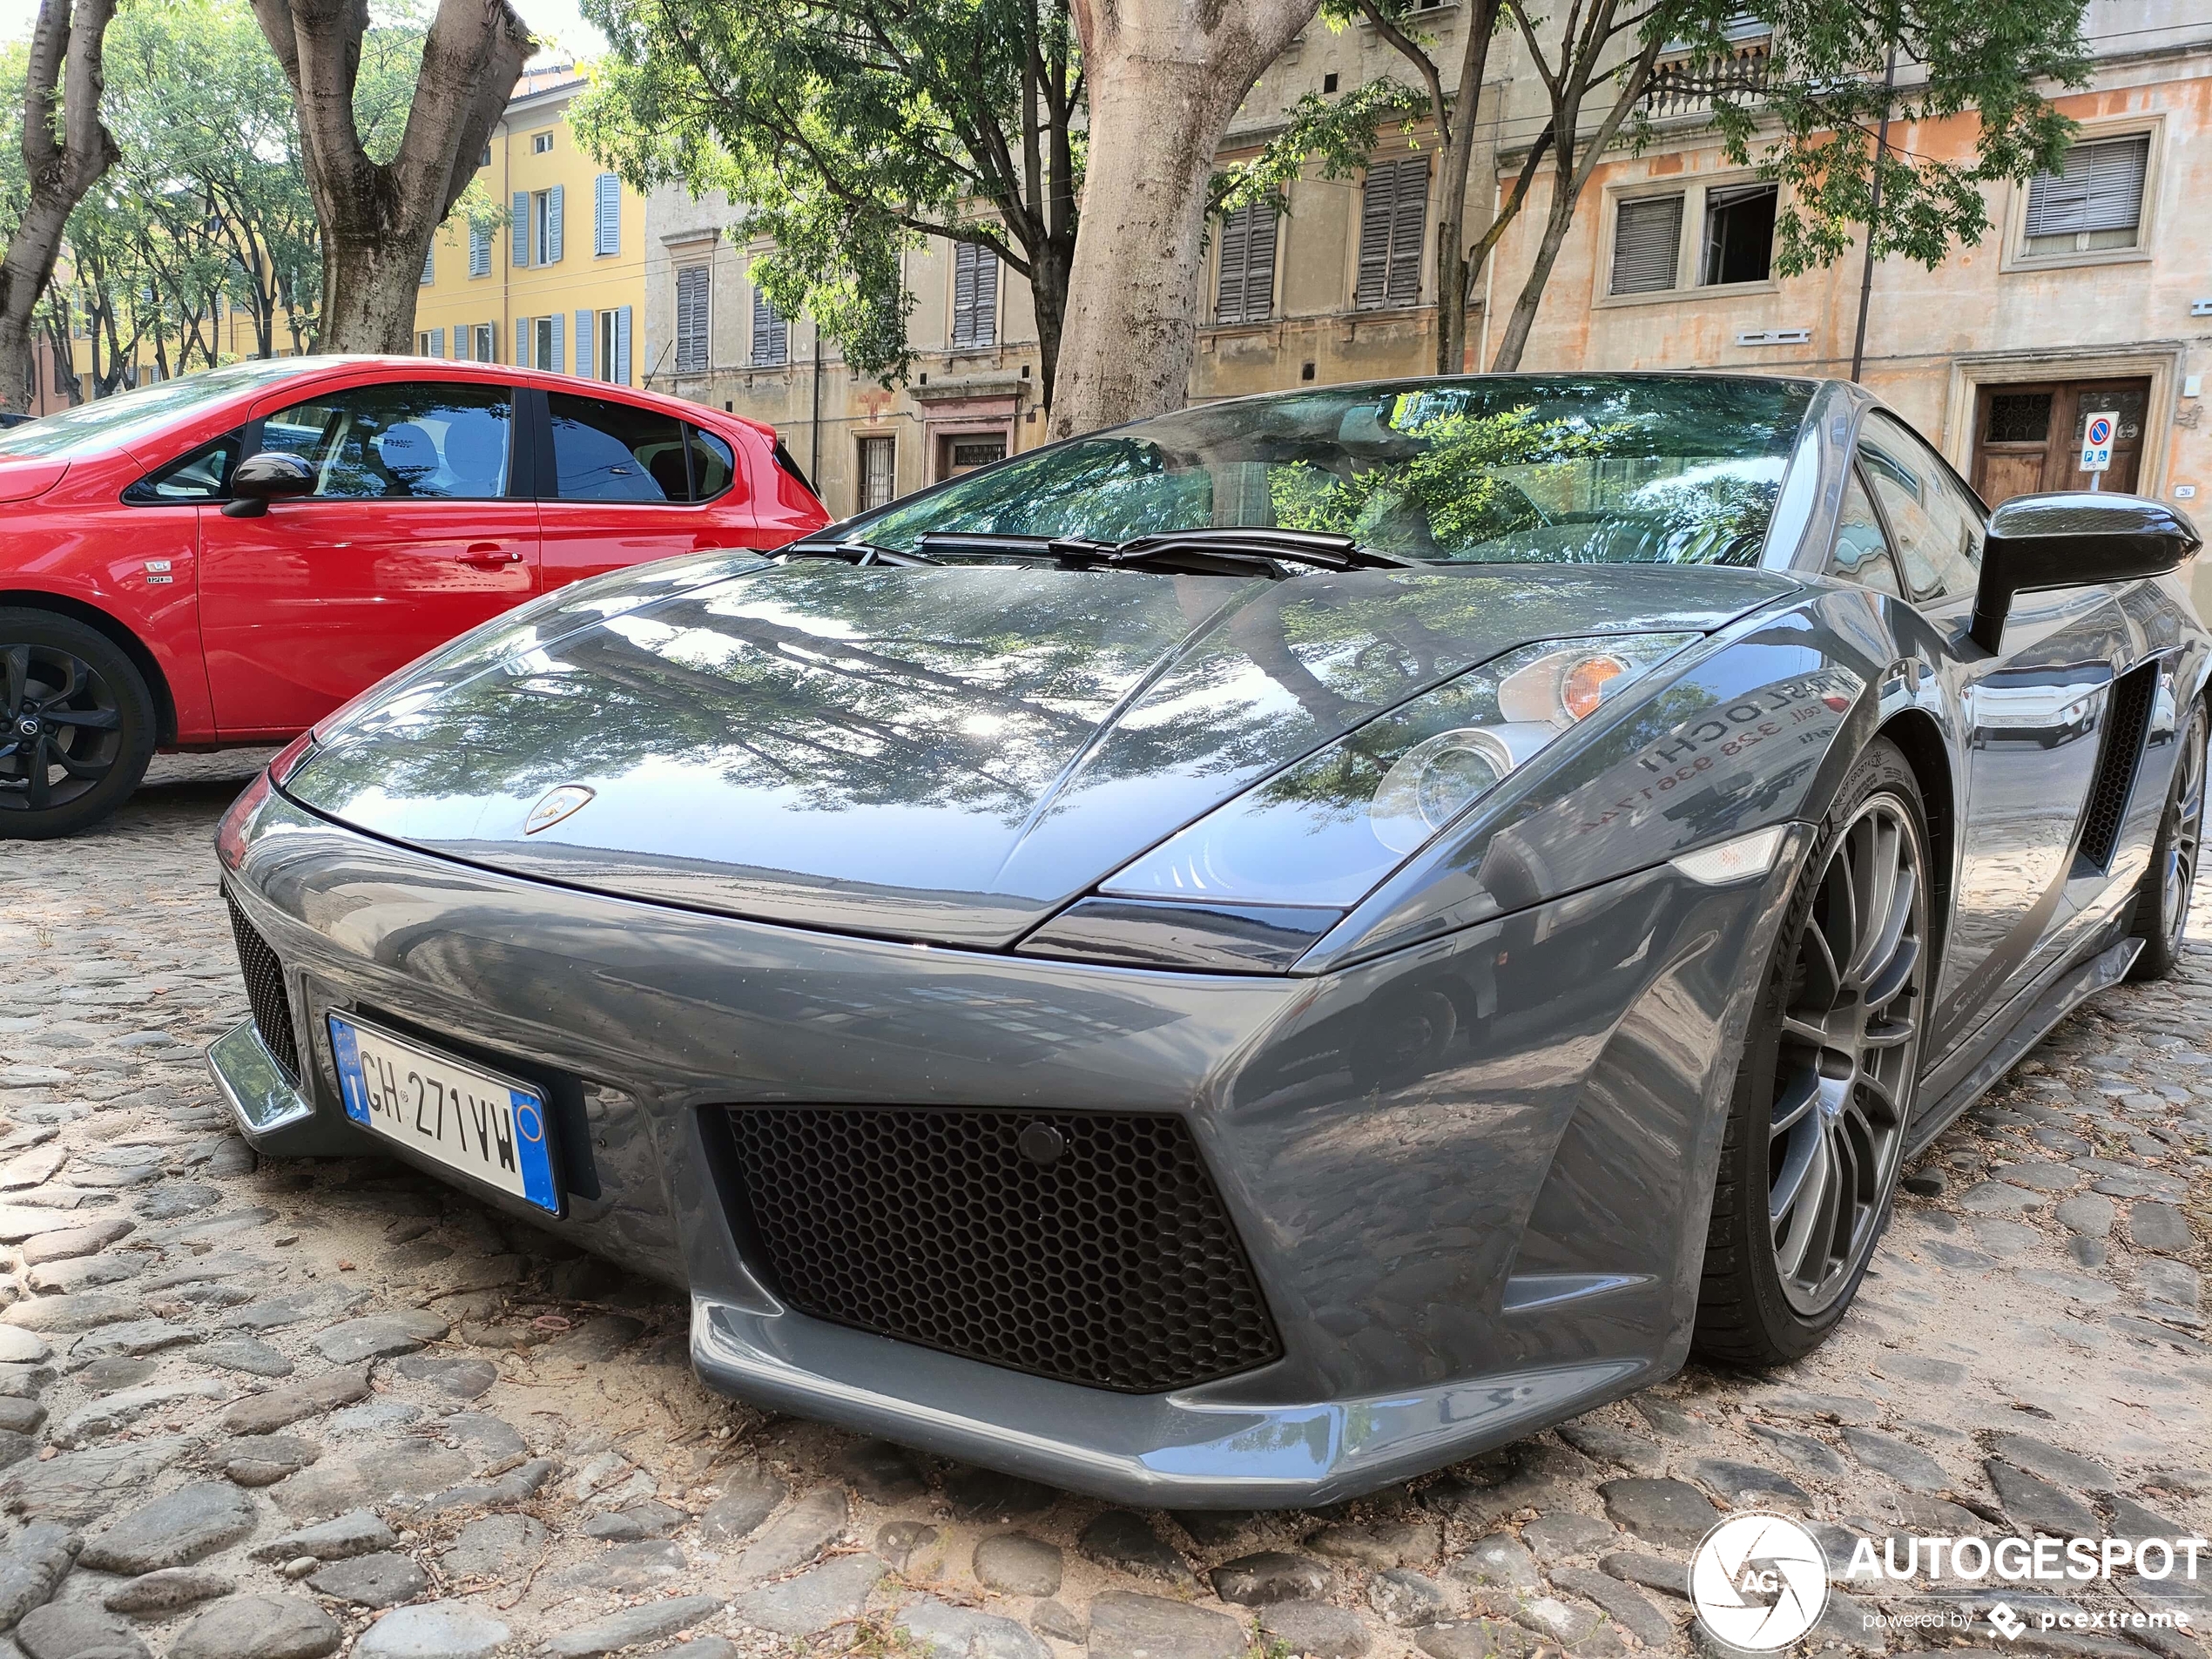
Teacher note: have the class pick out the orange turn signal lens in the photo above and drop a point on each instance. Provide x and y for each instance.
(1581, 686)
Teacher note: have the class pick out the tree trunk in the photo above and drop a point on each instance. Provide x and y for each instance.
(377, 218)
(1165, 76)
(64, 151)
(1048, 297)
(1558, 220)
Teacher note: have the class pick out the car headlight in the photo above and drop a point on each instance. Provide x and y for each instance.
(1324, 831)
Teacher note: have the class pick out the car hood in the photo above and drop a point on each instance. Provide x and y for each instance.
(945, 755)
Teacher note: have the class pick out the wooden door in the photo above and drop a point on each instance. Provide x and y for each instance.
(2028, 437)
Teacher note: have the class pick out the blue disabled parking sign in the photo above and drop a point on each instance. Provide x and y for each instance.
(2096, 441)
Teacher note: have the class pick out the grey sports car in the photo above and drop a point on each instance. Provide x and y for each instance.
(1241, 958)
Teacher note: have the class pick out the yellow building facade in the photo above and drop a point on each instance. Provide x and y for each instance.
(559, 282)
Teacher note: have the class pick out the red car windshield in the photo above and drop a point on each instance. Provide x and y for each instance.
(112, 423)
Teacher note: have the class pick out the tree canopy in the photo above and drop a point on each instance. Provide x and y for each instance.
(850, 134)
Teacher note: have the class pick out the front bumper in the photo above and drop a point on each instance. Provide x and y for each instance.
(1470, 1177)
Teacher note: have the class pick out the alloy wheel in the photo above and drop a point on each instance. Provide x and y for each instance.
(2184, 834)
(1845, 1062)
(61, 728)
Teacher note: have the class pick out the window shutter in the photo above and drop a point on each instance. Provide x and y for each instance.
(437, 342)
(606, 214)
(479, 251)
(1377, 198)
(771, 334)
(622, 346)
(585, 343)
(1408, 224)
(1647, 245)
(975, 295)
(690, 320)
(519, 230)
(522, 342)
(553, 216)
(559, 365)
(2102, 189)
(429, 265)
(1228, 290)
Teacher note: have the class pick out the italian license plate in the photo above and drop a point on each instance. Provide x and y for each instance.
(463, 1117)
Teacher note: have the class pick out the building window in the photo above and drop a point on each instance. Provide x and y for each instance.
(614, 346)
(2097, 202)
(541, 143)
(606, 214)
(487, 343)
(547, 215)
(771, 333)
(1647, 245)
(479, 251)
(431, 342)
(1245, 291)
(975, 295)
(485, 160)
(429, 265)
(1393, 216)
(690, 320)
(879, 472)
(1739, 234)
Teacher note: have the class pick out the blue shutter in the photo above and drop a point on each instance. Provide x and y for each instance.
(622, 346)
(520, 234)
(437, 342)
(479, 251)
(429, 265)
(606, 214)
(559, 365)
(553, 225)
(522, 342)
(585, 344)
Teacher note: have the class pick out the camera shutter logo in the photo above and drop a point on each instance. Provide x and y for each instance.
(1758, 1582)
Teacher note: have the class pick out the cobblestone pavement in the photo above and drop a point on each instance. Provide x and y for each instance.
(278, 1412)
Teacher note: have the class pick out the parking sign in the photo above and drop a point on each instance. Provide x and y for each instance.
(2096, 441)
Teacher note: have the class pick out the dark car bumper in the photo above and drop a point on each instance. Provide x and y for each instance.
(1470, 1179)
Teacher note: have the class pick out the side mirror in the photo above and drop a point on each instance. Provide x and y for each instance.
(263, 478)
(2074, 541)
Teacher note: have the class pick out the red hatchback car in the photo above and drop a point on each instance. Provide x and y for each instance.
(223, 559)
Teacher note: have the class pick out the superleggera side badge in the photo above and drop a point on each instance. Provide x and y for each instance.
(558, 804)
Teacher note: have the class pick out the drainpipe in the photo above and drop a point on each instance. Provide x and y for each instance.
(814, 469)
(1874, 213)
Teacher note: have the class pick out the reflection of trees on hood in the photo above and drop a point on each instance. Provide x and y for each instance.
(977, 688)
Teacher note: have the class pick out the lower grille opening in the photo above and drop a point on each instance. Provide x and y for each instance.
(1092, 1248)
(265, 991)
(2127, 715)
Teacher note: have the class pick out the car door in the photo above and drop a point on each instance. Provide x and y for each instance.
(630, 482)
(413, 534)
(2032, 717)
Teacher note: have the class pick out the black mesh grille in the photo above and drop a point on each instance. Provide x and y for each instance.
(2127, 714)
(265, 990)
(1113, 1265)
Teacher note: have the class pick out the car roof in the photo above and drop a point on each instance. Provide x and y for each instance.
(507, 374)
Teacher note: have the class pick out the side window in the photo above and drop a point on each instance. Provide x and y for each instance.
(419, 439)
(713, 466)
(1861, 554)
(205, 475)
(1938, 526)
(605, 450)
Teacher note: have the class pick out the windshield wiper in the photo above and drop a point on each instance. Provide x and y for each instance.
(853, 553)
(1223, 550)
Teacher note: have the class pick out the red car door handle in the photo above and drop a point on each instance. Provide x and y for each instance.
(489, 555)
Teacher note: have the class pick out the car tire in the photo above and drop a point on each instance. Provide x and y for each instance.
(77, 724)
(1823, 1094)
(2161, 912)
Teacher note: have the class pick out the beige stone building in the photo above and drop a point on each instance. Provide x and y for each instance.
(2093, 290)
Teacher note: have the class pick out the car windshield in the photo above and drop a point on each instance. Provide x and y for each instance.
(1680, 469)
(112, 423)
